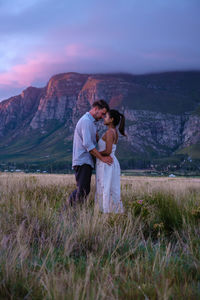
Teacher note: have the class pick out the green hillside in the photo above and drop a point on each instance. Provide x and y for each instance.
(52, 146)
(193, 151)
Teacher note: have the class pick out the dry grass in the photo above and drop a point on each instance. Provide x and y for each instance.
(150, 252)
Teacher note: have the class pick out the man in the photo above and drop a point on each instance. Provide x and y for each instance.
(84, 147)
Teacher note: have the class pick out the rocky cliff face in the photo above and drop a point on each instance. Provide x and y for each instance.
(19, 110)
(159, 114)
(161, 132)
(191, 131)
(59, 100)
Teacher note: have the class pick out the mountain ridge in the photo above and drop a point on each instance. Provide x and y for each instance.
(161, 111)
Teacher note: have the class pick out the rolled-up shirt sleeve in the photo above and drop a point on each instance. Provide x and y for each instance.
(86, 131)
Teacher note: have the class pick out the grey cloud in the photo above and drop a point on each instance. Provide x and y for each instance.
(134, 36)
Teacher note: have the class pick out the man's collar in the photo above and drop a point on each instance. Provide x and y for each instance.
(91, 117)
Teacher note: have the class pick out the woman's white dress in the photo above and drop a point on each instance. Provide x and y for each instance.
(108, 191)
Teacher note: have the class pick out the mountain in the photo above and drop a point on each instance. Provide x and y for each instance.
(162, 116)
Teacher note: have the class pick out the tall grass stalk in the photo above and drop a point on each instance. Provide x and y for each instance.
(152, 251)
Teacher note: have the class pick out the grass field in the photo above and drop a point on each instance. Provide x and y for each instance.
(152, 251)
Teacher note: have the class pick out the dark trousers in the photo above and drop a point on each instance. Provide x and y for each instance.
(83, 175)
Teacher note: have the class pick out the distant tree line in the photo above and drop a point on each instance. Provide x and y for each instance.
(170, 164)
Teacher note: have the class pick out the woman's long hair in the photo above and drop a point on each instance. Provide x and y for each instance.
(118, 119)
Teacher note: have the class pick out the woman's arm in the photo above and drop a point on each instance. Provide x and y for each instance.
(97, 137)
(108, 159)
(109, 136)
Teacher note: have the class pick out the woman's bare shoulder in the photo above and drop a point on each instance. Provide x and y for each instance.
(108, 134)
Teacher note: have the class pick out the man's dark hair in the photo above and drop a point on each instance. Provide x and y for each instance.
(101, 104)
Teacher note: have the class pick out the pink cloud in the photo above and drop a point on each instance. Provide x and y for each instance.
(24, 74)
(40, 66)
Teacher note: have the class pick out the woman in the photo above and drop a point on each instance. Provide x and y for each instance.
(108, 194)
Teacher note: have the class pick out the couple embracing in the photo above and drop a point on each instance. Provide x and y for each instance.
(87, 147)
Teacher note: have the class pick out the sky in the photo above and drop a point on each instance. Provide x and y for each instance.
(41, 38)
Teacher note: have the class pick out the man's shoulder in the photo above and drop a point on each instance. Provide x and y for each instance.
(84, 120)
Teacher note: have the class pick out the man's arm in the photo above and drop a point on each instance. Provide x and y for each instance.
(89, 145)
(106, 159)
